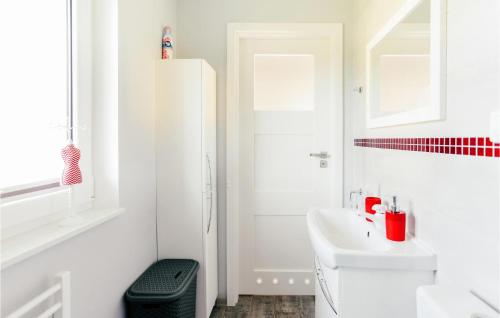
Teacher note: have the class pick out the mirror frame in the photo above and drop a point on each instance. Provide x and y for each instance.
(437, 107)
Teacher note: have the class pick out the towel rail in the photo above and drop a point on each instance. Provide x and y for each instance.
(51, 311)
(61, 308)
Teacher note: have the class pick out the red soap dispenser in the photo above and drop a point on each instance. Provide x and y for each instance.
(395, 223)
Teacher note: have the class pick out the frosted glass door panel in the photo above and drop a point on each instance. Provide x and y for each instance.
(283, 82)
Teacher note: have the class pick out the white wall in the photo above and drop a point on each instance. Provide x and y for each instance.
(105, 102)
(105, 261)
(201, 33)
(454, 199)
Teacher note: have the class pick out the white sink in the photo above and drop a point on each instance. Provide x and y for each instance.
(341, 238)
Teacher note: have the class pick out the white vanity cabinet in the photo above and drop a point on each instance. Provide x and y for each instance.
(377, 293)
(186, 171)
(360, 273)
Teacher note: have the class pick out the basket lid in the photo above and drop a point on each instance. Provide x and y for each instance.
(166, 280)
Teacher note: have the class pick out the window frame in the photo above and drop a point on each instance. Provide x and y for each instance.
(39, 185)
(15, 191)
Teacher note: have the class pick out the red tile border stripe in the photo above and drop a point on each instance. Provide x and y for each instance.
(458, 146)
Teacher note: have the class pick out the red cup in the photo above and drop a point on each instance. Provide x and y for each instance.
(395, 226)
(369, 203)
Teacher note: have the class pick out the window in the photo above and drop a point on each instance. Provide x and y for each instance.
(48, 89)
(37, 106)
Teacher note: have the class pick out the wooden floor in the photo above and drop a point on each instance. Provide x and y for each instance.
(268, 307)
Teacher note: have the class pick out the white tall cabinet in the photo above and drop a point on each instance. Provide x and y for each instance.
(186, 171)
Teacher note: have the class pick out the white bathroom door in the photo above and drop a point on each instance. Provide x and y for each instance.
(287, 159)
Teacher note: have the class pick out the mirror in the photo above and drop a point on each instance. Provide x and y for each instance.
(405, 67)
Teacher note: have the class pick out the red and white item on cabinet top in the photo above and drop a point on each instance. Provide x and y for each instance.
(167, 47)
(71, 173)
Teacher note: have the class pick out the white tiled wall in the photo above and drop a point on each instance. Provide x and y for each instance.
(453, 200)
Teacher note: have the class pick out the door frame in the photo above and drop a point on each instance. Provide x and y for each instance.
(236, 32)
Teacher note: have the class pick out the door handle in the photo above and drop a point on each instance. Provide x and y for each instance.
(321, 155)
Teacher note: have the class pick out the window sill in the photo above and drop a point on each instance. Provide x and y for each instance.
(20, 247)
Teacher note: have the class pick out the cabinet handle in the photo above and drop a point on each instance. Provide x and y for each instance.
(209, 165)
(324, 285)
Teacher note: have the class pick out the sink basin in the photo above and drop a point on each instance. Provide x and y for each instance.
(341, 238)
(354, 261)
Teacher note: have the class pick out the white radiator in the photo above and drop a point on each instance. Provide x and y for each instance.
(59, 308)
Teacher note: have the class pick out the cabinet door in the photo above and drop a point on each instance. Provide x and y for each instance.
(210, 183)
(178, 157)
(327, 291)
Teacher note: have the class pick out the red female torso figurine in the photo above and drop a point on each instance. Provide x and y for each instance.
(71, 173)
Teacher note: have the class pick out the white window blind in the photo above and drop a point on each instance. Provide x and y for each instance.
(34, 98)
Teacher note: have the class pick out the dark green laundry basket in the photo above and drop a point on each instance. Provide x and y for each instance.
(166, 289)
